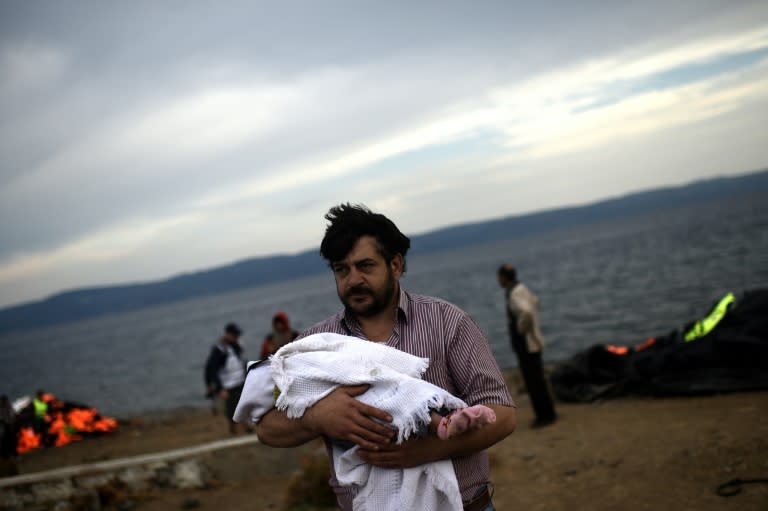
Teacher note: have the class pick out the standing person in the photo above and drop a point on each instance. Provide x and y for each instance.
(40, 419)
(527, 342)
(8, 438)
(225, 371)
(40, 407)
(366, 252)
(281, 334)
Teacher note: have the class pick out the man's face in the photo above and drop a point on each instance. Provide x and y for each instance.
(365, 282)
(279, 326)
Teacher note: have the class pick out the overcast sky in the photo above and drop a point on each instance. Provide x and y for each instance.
(143, 139)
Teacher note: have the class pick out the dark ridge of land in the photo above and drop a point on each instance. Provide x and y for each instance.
(79, 304)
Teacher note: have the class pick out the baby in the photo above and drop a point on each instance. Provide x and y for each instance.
(305, 371)
(260, 394)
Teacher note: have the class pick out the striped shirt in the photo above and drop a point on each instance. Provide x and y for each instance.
(460, 361)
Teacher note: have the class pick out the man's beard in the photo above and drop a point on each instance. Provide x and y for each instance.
(381, 300)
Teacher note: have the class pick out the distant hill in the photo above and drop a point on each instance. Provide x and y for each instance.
(90, 302)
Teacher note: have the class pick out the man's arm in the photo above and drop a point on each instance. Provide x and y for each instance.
(212, 365)
(419, 450)
(522, 305)
(338, 415)
(277, 430)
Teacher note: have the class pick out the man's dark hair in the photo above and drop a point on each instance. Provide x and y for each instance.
(349, 222)
(508, 272)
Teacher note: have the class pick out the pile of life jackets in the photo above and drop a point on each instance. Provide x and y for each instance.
(49, 422)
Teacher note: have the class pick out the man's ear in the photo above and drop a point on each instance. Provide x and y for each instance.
(396, 265)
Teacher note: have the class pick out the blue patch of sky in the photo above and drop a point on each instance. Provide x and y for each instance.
(683, 75)
(481, 142)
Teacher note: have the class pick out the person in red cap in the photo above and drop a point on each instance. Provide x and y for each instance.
(281, 334)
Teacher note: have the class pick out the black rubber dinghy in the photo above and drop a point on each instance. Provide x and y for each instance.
(731, 356)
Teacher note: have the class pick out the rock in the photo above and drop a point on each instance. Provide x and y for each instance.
(94, 481)
(135, 479)
(189, 474)
(111, 489)
(163, 477)
(54, 491)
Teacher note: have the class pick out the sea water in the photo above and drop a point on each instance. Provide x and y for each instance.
(616, 281)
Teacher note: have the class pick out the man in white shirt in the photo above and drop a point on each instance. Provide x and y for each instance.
(527, 342)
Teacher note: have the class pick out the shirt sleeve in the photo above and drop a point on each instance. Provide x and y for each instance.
(476, 373)
(522, 306)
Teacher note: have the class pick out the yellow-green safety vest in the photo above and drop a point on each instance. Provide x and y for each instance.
(704, 326)
(41, 407)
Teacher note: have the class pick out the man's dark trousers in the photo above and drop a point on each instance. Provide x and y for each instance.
(533, 374)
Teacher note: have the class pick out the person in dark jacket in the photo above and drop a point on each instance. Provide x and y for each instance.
(225, 371)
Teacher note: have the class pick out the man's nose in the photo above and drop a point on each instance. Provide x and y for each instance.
(354, 278)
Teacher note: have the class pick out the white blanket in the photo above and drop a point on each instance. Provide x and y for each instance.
(258, 396)
(309, 369)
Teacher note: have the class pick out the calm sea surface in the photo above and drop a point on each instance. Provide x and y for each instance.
(617, 281)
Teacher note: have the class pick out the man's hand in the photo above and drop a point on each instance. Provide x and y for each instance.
(419, 450)
(339, 415)
(414, 451)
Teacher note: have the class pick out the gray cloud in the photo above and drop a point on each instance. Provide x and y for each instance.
(76, 76)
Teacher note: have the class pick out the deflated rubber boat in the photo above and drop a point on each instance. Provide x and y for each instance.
(726, 350)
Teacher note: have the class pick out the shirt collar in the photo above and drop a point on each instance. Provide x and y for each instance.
(404, 304)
